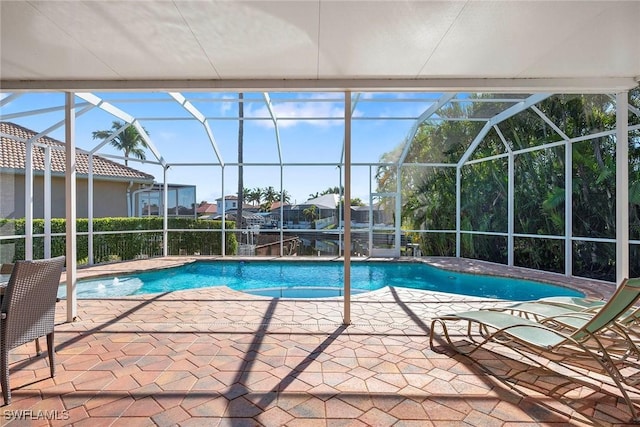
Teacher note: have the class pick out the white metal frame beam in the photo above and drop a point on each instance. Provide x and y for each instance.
(568, 191)
(187, 105)
(276, 128)
(495, 120)
(496, 85)
(444, 99)
(116, 112)
(274, 119)
(631, 108)
(499, 118)
(510, 197)
(9, 98)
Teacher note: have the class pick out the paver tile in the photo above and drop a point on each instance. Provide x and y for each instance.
(219, 357)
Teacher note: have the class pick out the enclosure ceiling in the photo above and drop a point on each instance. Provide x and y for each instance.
(261, 45)
(450, 47)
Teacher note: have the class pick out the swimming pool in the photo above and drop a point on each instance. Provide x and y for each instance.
(313, 279)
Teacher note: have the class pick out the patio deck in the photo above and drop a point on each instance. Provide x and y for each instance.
(219, 357)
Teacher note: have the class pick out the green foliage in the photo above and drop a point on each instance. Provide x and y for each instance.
(311, 213)
(128, 140)
(429, 193)
(134, 242)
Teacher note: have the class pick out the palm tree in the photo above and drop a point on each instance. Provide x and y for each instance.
(285, 197)
(270, 194)
(333, 190)
(246, 194)
(311, 213)
(129, 140)
(255, 196)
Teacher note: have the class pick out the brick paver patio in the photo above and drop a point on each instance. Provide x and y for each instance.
(219, 357)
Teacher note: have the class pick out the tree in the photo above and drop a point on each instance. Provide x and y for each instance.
(129, 140)
(285, 197)
(270, 195)
(255, 196)
(246, 194)
(311, 213)
(429, 193)
(333, 190)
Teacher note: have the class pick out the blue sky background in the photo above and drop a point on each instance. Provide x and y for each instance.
(381, 122)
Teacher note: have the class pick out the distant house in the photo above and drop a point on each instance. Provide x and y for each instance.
(112, 182)
(325, 210)
(231, 204)
(276, 208)
(181, 201)
(206, 210)
(326, 202)
(381, 216)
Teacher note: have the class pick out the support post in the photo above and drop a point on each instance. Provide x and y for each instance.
(370, 212)
(281, 209)
(165, 213)
(568, 208)
(347, 208)
(622, 186)
(340, 216)
(224, 214)
(511, 209)
(458, 210)
(398, 209)
(47, 202)
(70, 204)
(28, 201)
(90, 209)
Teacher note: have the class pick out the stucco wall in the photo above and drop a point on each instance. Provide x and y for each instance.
(110, 197)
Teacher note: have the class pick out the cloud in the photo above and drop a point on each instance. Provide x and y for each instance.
(312, 112)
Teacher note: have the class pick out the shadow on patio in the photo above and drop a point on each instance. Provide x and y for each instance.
(214, 355)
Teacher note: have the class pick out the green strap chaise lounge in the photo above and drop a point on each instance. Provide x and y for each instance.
(529, 337)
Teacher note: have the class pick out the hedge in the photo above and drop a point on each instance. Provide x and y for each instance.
(121, 246)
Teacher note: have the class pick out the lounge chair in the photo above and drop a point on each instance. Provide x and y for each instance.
(573, 313)
(529, 337)
(573, 302)
(28, 311)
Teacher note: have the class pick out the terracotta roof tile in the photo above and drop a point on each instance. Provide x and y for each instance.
(13, 156)
(207, 208)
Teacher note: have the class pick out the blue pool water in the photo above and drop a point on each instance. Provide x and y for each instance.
(313, 279)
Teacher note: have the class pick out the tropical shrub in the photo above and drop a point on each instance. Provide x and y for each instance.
(139, 238)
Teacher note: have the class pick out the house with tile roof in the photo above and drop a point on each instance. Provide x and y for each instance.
(112, 182)
(207, 210)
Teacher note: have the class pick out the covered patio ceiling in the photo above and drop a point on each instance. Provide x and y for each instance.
(584, 46)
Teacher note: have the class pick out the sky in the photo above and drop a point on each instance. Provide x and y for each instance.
(310, 127)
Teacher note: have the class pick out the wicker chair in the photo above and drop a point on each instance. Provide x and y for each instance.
(28, 311)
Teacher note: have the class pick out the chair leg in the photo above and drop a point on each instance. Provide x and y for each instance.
(52, 354)
(38, 349)
(4, 375)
